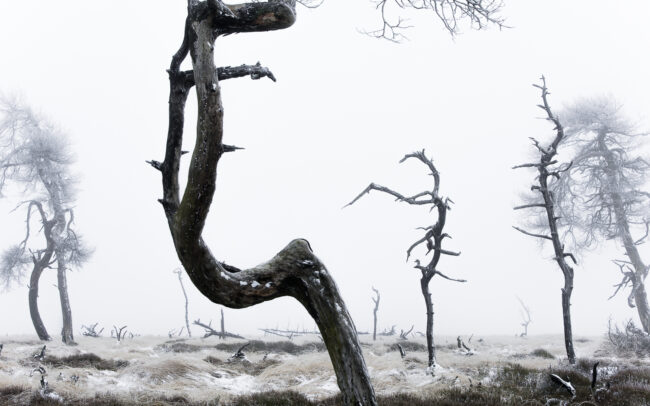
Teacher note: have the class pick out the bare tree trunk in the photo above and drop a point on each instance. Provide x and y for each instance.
(60, 227)
(295, 271)
(33, 303)
(41, 262)
(187, 319)
(223, 326)
(638, 297)
(566, 318)
(374, 314)
(67, 334)
(431, 346)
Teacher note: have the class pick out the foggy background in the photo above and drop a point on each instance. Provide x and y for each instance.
(345, 109)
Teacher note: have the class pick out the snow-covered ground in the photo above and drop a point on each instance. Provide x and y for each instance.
(154, 369)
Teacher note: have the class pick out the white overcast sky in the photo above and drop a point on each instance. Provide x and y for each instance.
(345, 109)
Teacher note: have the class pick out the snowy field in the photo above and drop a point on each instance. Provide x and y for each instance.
(200, 369)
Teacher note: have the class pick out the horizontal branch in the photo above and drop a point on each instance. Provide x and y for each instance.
(448, 278)
(256, 72)
(528, 206)
(546, 237)
(251, 17)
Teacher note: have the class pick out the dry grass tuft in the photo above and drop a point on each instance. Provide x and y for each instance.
(288, 347)
(85, 361)
(542, 353)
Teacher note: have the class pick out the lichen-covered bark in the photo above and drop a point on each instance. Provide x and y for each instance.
(295, 271)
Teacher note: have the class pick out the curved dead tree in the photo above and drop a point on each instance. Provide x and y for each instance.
(432, 238)
(548, 169)
(295, 271)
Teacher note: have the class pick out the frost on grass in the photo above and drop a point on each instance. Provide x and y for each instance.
(199, 372)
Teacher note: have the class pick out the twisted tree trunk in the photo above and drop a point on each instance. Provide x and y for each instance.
(638, 297)
(295, 271)
(41, 331)
(41, 262)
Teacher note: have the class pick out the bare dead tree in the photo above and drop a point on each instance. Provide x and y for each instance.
(1, 347)
(546, 168)
(119, 333)
(432, 238)
(209, 331)
(179, 272)
(91, 331)
(374, 313)
(404, 335)
(295, 271)
(478, 13)
(525, 317)
(34, 154)
(602, 195)
(388, 332)
(462, 346)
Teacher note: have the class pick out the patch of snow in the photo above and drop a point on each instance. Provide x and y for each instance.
(243, 283)
(255, 284)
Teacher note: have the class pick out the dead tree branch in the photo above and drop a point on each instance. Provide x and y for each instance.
(179, 272)
(209, 331)
(118, 333)
(91, 331)
(403, 335)
(479, 14)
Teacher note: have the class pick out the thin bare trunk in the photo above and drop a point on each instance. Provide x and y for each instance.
(33, 303)
(223, 326)
(187, 319)
(431, 346)
(67, 334)
(374, 314)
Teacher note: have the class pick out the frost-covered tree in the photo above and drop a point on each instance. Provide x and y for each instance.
(35, 157)
(295, 271)
(602, 196)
